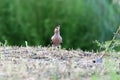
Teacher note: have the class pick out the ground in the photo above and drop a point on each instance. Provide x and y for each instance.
(44, 63)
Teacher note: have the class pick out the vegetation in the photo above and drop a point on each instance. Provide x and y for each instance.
(82, 21)
(85, 24)
(111, 45)
(43, 63)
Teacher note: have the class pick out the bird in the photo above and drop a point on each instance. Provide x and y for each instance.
(56, 39)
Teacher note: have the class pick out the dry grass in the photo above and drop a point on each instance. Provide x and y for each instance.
(43, 63)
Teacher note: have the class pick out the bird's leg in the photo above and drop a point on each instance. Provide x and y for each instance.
(56, 47)
(59, 47)
(53, 47)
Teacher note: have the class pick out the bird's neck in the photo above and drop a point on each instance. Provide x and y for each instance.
(57, 33)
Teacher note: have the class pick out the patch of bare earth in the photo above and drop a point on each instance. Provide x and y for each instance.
(43, 63)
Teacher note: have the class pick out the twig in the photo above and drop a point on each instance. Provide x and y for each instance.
(113, 38)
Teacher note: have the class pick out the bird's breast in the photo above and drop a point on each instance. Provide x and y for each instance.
(56, 40)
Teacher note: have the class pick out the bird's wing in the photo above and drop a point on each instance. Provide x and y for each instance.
(52, 39)
(61, 40)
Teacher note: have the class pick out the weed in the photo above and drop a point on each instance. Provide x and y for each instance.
(4, 44)
(112, 45)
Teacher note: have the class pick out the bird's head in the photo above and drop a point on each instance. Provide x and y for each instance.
(57, 28)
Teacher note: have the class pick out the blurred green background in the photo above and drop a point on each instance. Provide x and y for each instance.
(82, 21)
